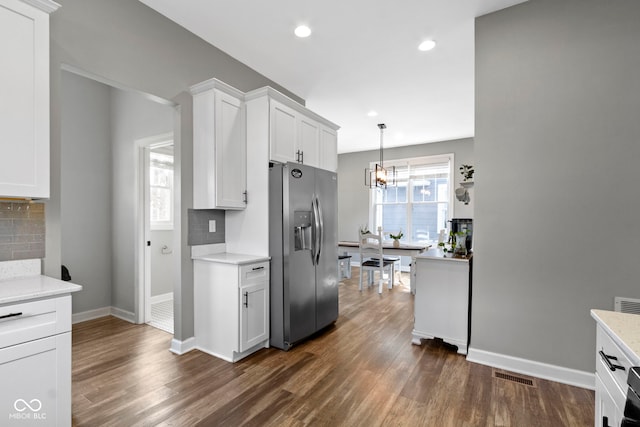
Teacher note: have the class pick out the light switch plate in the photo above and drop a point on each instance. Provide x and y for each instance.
(212, 226)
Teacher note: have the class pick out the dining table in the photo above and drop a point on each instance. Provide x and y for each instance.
(410, 249)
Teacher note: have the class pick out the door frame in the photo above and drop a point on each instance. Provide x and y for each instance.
(143, 226)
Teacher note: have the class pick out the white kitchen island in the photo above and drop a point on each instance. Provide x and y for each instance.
(443, 297)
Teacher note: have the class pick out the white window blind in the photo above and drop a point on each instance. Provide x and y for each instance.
(161, 191)
(419, 204)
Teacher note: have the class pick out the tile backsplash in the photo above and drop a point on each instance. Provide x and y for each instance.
(199, 226)
(22, 230)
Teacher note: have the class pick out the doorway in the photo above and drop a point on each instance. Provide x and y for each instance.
(102, 233)
(158, 210)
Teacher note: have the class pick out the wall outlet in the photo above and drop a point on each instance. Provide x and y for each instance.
(212, 226)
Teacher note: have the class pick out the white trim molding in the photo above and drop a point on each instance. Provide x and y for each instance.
(90, 314)
(44, 5)
(161, 298)
(103, 312)
(532, 368)
(181, 347)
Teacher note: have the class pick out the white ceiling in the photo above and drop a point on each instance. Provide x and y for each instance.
(361, 56)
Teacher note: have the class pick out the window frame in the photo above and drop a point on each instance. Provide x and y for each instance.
(415, 161)
(169, 224)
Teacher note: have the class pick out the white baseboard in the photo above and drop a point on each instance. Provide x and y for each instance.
(532, 368)
(90, 314)
(161, 298)
(102, 312)
(182, 347)
(123, 314)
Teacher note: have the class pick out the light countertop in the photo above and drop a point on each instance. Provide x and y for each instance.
(624, 329)
(231, 258)
(439, 254)
(31, 287)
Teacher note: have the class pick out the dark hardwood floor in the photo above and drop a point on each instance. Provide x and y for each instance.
(364, 371)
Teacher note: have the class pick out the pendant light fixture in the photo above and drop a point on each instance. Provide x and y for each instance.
(380, 177)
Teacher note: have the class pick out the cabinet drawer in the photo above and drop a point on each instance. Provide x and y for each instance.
(254, 273)
(606, 348)
(32, 320)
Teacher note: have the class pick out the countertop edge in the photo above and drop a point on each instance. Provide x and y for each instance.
(231, 258)
(439, 255)
(26, 288)
(630, 353)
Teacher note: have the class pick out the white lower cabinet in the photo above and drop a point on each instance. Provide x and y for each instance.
(607, 412)
(231, 303)
(612, 369)
(254, 326)
(35, 363)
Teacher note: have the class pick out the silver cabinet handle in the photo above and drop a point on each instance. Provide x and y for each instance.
(246, 299)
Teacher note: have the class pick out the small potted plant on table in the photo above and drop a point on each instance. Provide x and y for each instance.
(396, 238)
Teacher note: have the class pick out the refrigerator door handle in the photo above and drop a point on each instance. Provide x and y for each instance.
(316, 231)
(320, 229)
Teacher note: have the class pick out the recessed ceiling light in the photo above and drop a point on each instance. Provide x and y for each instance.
(427, 45)
(372, 113)
(302, 31)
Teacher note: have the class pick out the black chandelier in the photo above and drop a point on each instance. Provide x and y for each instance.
(379, 177)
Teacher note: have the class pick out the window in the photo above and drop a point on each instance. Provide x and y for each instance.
(161, 190)
(420, 203)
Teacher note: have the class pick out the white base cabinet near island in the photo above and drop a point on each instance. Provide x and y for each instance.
(441, 305)
(231, 302)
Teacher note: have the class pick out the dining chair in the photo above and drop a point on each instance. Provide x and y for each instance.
(372, 260)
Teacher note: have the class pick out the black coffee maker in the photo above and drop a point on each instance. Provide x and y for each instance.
(462, 224)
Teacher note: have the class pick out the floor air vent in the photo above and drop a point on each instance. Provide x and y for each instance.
(514, 378)
(627, 305)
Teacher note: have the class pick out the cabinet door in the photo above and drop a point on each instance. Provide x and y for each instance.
(309, 142)
(219, 151)
(24, 103)
(36, 379)
(607, 413)
(282, 134)
(254, 325)
(328, 149)
(231, 156)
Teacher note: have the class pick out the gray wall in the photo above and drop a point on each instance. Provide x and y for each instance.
(85, 228)
(125, 42)
(353, 195)
(162, 264)
(133, 117)
(556, 148)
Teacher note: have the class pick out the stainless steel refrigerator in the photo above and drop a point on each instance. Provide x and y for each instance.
(303, 244)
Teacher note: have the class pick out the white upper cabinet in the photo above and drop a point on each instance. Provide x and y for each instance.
(282, 133)
(295, 133)
(308, 141)
(328, 149)
(219, 147)
(24, 103)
